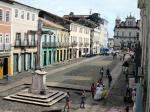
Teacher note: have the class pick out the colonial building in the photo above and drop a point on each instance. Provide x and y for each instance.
(79, 39)
(5, 39)
(54, 42)
(98, 25)
(76, 31)
(110, 43)
(24, 37)
(126, 32)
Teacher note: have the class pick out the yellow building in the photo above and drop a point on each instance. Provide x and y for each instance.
(63, 45)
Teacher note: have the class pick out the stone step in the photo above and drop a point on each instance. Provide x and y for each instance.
(49, 99)
(52, 93)
(26, 100)
(57, 100)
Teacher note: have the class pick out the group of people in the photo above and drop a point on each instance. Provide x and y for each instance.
(98, 90)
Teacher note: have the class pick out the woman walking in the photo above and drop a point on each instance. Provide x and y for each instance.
(67, 102)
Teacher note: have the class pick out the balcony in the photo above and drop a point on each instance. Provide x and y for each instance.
(33, 44)
(86, 44)
(74, 44)
(66, 44)
(7, 47)
(53, 44)
(17, 43)
(80, 44)
(1, 47)
(24, 43)
(45, 44)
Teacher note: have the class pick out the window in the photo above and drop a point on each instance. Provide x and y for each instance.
(80, 30)
(7, 38)
(7, 16)
(1, 14)
(45, 38)
(129, 34)
(33, 38)
(22, 14)
(28, 16)
(117, 33)
(1, 38)
(123, 33)
(18, 38)
(16, 13)
(33, 17)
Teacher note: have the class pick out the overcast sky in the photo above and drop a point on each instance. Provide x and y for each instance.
(109, 9)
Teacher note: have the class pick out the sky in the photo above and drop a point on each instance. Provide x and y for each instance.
(108, 9)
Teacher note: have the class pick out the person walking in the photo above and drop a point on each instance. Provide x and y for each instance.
(67, 102)
(82, 103)
(107, 72)
(93, 90)
(124, 56)
(102, 72)
(109, 80)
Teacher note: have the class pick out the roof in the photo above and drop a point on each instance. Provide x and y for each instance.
(51, 24)
(13, 2)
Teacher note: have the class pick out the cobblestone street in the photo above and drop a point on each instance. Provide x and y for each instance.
(81, 74)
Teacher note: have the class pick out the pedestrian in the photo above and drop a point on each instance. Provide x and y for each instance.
(93, 90)
(67, 102)
(109, 80)
(133, 95)
(124, 56)
(127, 90)
(82, 103)
(102, 72)
(107, 72)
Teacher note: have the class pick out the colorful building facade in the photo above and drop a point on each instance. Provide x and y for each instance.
(5, 39)
(53, 43)
(24, 37)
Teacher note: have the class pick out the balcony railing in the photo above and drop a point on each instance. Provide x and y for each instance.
(80, 44)
(33, 43)
(66, 44)
(1, 47)
(17, 43)
(74, 44)
(5, 47)
(53, 44)
(45, 44)
(86, 44)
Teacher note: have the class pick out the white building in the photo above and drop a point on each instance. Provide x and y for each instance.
(126, 32)
(104, 34)
(79, 39)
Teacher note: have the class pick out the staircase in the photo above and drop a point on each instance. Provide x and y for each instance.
(44, 100)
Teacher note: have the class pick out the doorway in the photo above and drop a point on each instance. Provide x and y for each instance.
(5, 66)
